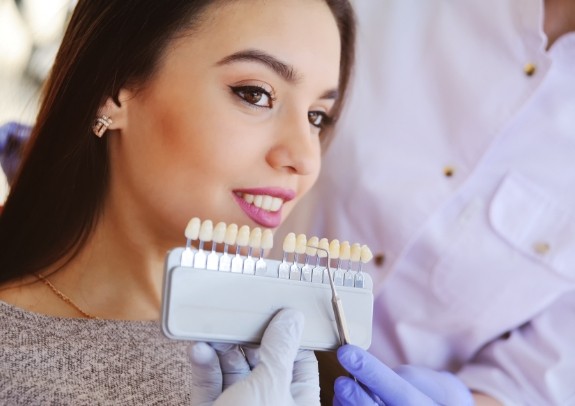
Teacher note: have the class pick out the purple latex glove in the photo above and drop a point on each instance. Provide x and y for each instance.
(407, 385)
(13, 137)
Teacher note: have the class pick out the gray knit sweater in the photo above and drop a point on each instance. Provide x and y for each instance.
(60, 361)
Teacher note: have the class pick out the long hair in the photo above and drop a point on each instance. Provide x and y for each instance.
(59, 192)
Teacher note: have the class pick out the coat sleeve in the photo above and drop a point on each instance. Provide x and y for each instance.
(533, 364)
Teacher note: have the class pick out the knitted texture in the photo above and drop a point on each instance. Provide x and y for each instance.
(48, 360)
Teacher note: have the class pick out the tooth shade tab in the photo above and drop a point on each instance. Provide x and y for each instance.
(312, 243)
(192, 231)
(243, 238)
(300, 244)
(256, 238)
(366, 254)
(344, 251)
(267, 239)
(219, 233)
(355, 252)
(334, 249)
(289, 243)
(324, 245)
(206, 230)
(231, 234)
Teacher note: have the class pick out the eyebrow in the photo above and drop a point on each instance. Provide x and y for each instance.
(286, 71)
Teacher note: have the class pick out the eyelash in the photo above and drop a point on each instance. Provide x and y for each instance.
(243, 91)
(326, 120)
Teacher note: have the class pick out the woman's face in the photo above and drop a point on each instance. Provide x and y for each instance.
(228, 129)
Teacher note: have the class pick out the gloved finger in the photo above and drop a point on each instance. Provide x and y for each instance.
(252, 355)
(13, 137)
(270, 381)
(279, 347)
(305, 381)
(443, 387)
(233, 363)
(15, 130)
(305, 367)
(206, 374)
(281, 338)
(347, 392)
(391, 388)
(336, 402)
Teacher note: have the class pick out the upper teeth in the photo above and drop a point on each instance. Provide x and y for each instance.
(265, 202)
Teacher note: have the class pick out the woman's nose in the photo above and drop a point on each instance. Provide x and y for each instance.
(296, 148)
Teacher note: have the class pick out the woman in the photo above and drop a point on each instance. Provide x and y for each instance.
(154, 112)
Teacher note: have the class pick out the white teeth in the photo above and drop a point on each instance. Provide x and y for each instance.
(276, 204)
(258, 201)
(249, 198)
(267, 203)
(264, 202)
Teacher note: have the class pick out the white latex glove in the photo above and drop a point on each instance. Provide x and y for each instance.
(276, 373)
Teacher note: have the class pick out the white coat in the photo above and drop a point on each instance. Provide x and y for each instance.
(455, 162)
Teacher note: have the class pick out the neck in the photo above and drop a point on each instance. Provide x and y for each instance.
(115, 276)
(559, 19)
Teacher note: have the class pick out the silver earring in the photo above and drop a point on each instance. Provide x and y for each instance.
(101, 125)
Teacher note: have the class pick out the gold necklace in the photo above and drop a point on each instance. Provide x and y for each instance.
(65, 298)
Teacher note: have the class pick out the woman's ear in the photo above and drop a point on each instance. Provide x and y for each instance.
(116, 109)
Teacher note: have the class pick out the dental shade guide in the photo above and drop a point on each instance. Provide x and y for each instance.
(203, 300)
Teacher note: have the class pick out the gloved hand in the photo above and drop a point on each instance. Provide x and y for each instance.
(13, 136)
(276, 373)
(407, 385)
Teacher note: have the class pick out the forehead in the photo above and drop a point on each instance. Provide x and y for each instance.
(292, 30)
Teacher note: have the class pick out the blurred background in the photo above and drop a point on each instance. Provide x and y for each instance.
(30, 33)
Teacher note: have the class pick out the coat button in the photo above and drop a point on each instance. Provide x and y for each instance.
(379, 259)
(529, 69)
(449, 171)
(541, 248)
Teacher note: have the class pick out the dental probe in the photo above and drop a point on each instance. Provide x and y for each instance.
(336, 304)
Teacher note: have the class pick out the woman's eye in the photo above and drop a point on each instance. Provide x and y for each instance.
(254, 95)
(318, 119)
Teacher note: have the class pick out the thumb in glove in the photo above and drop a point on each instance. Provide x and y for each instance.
(278, 367)
(407, 385)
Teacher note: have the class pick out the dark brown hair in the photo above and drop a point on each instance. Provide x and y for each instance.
(59, 192)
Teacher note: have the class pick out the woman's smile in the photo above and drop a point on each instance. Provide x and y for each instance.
(264, 205)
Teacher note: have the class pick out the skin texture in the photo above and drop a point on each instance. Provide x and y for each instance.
(185, 143)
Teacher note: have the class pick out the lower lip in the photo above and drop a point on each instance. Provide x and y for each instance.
(262, 217)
